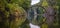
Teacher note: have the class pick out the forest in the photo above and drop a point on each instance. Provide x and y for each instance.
(20, 13)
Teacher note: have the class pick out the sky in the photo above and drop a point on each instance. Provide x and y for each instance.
(33, 26)
(34, 2)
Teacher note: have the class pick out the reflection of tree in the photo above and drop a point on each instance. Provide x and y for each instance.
(25, 24)
(36, 18)
(50, 14)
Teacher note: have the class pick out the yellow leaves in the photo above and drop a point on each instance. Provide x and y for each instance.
(44, 3)
(44, 25)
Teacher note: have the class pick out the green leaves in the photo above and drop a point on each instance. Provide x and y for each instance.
(12, 12)
(17, 11)
(23, 3)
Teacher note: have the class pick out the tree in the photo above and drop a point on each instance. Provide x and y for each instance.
(12, 14)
